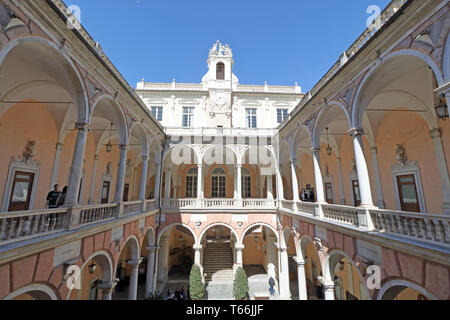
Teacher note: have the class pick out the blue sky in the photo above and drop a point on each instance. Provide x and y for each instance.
(280, 41)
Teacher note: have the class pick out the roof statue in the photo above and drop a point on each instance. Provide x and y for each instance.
(220, 50)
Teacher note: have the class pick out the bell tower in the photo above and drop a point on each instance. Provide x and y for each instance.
(219, 81)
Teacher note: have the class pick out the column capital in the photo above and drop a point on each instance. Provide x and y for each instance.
(238, 165)
(96, 157)
(59, 146)
(435, 133)
(300, 261)
(153, 248)
(107, 286)
(197, 247)
(145, 158)
(200, 165)
(373, 149)
(293, 160)
(123, 147)
(239, 247)
(134, 262)
(355, 132)
(315, 149)
(81, 126)
(327, 284)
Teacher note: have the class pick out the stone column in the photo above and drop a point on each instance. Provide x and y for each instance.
(143, 178)
(200, 181)
(269, 188)
(380, 202)
(121, 174)
(285, 293)
(132, 292)
(239, 181)
(94, 174)
(149, 285)
(302, 293)
(328, 287)
(361, 169)
(168, 182)
(239, 260)
(76, 169)
(235, 183)
(280, 190)
(157, 181)
(107, 289)
(296, 197)
(59, 147)
(442, 169)
(341, 181)
(320, 194)
(198, 254)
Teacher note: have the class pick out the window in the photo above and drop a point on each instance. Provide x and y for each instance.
(218, 183)
(188, 117)
(356, 197)
(191, 183)
(329, 192)
(220, 71)
(282, 114)
(157, 112)
(105, 192)
(251, 118)
(246, 183)
(408, 193)
(21, 191)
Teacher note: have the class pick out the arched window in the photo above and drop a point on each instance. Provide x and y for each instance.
(191, 183)
(246, 183)
(218, 183)
(220, 71)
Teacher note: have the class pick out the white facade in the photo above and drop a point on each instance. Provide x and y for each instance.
(219, 100)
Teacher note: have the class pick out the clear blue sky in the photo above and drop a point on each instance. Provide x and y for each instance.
(279, 41)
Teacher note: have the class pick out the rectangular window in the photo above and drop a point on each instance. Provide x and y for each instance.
(218, 187)
(157, 113)
(408, 193)
(356, 196)
(282, 115)
(251, 118)
(188, 117)
(105, 192)
(191, 187)
(21, 191)
(329, 192)
(246, 187)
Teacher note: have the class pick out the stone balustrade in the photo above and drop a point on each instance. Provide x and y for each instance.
(213, 132)
(97, 213)
(230, 204)
(343, 214)
(25, 225)
(132, 207)
(424, 227)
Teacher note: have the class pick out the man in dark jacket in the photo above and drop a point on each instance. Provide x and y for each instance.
(52, 197)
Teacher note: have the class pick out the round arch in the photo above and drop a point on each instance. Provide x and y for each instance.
(119, 119)
(358, 107)
(446, 61)
(321, 122)
(333, 257)
(150, 234)
(226, 151)
(36, 290)
(134, 246)
(81, 95)
(104, 260)
(181, 159)
(141, 136)
(299, 136)
(213, 225)
(244, 233)
(393, 287)
(168, 227)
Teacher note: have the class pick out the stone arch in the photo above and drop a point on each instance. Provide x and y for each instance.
(322, 121)
(332, 258)
(202, 234)
(241, 239)
(118, 116)
(106, 263)
(141, 137)
(76, 81)
(226, 153)
(179, 147)
(168, 227)
(446, 60)
(134, 246)
(297, 136)
(393, 287)
(358, 106)
(150, 233)
(36, 290)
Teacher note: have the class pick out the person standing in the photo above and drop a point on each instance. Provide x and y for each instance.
(271, 284)
(62, 198)
(52, 197)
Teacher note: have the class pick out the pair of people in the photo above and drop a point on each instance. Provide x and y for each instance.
(55, 198)
(178, 295)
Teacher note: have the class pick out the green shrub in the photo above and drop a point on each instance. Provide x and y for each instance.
(196, 287)
(240, 288)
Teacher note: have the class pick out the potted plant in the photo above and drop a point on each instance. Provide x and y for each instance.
(157, 295)
(196, 287)
(240, 288)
